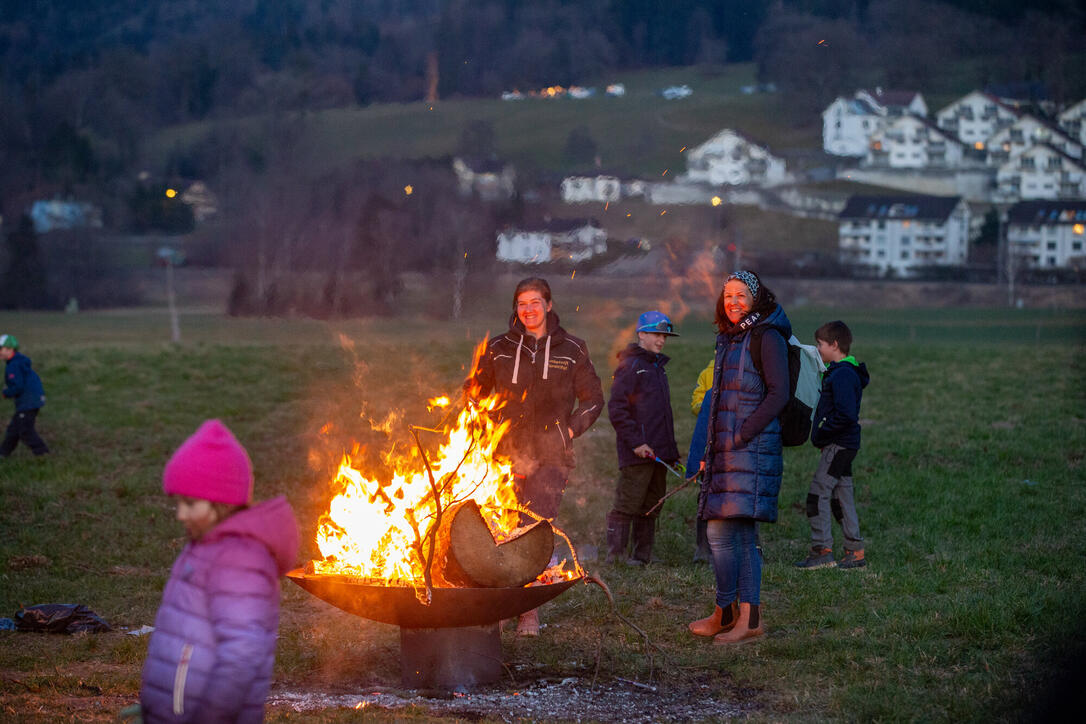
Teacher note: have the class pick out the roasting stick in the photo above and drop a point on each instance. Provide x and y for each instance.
(677, 474)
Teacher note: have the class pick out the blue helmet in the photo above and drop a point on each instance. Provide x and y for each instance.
(657, 323)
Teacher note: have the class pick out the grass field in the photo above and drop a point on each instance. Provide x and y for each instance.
(970, 494)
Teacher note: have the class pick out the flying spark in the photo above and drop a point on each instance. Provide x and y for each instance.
(682, 149)
(409, 189)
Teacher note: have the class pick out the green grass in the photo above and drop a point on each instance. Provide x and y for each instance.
(974, 591)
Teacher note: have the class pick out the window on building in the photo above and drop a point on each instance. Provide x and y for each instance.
(905, 254)
(881, 253)
(1051, 246)
(1076, 246)
(1052, 261)
(882, 224)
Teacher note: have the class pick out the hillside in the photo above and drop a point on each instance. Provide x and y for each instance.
(640, 134)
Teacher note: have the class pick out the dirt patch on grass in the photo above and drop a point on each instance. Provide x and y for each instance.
(569, 699)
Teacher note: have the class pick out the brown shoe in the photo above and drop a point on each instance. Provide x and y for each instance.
(721, 619)
(528, 623)
(748, 628)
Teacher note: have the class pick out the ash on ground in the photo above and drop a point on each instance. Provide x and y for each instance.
(571, 699)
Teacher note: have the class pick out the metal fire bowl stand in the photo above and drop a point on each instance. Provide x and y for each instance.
(455, 642)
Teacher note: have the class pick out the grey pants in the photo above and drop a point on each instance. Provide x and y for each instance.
(831, 491)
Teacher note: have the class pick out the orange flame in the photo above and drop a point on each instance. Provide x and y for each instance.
(379, 529)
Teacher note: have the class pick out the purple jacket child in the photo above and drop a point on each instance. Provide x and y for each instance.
(211, 655)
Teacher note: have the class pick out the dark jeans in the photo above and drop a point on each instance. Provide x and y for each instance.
(737, 564)
(21, 428)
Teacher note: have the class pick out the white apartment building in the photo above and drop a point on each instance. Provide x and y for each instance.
(914, 143)
(730, 159)
(900, 233)
(1048, 234)
(974, 117)
(849, 123)
(1041, 172)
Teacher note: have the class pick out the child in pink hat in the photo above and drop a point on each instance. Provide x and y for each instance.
(210, 657)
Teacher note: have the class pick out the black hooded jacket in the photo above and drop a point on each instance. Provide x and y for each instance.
(837, 419)
(640, 406)
(541, 381)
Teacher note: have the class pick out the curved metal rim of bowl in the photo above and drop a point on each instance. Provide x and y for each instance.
(450, 608)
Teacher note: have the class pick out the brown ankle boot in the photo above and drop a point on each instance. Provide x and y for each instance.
(747, 628)
(721, 619)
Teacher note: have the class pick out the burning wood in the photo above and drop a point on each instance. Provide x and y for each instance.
(466, 553)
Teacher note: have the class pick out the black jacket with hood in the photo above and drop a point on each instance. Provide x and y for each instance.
(541, 380)
(640, 406)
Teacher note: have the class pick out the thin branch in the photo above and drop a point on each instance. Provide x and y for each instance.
(661, 500)
(593, 578)
(431, 534)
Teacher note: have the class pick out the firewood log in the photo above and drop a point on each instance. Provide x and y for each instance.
(466, 554)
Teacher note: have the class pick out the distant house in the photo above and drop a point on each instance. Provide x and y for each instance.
(975, 117)
(1073, 121)
(1024, 133)
(900, 233)
(1041, 172)
(204, 204)
(910, 142)
(560, 239)
(848, 123)
(57, 215)
(1048, 234)
(582, 189)
(730, 159)
(491, 179)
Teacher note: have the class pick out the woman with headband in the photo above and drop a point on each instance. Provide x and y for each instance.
(741, 473)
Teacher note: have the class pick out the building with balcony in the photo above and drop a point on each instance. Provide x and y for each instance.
(1073, 121)
(849, 123)
(1048, 234)
(1041, 172)
(910, 142)
(1026, 132)
(975, 117)
(898, 234)
(731, 159)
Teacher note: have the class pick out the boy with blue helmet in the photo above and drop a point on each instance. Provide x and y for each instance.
(640, 412)
(21, 384)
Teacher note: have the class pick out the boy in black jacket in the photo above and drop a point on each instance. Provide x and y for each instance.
(640, 412)
(836, 433)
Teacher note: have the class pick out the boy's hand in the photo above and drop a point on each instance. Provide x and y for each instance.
(644, 451)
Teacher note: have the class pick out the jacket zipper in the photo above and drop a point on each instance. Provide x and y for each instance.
(179, 680)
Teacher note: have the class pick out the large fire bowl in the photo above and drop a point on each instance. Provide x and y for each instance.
(455, 642)
(449, 608)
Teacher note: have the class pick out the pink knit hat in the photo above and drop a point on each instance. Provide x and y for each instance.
(211, 465)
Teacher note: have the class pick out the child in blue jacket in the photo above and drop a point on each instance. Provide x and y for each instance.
(836, 433)
(21, 384)
(640, 412)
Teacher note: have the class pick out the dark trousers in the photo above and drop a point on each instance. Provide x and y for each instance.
(540, 490)
(639, 488)
(21, 428)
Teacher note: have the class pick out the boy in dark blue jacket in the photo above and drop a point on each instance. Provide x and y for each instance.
(22, 384)
(836, 433)
(640, 412)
